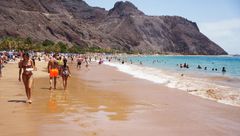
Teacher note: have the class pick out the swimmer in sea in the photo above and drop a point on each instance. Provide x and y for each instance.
(224, 70)
(181, 65)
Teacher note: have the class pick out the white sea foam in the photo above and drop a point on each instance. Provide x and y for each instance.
(195, 86)
(150, 74)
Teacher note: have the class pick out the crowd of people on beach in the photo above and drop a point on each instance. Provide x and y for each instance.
(57, 67)
(4, 58)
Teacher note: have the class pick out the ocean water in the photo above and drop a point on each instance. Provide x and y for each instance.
(210, 83)
(232, 64)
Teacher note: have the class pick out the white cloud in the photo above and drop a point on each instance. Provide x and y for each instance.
(225, 33)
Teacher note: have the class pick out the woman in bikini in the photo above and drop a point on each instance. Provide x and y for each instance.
(65, 72)
(25, 69)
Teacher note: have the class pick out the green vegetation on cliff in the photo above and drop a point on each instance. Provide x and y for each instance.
(21, 44)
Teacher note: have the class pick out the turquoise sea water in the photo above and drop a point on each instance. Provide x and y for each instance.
(231, 63)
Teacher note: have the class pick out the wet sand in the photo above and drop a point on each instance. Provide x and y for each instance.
(102, 101)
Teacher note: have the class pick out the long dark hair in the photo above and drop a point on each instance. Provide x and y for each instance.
(65, 62)
(26, 54)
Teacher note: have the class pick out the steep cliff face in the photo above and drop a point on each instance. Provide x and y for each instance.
(124, 27)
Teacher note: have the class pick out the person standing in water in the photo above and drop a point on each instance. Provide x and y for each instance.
(224, 70)
(25, 70)
(65, 72)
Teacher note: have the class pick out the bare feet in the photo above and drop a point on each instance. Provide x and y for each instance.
(29, 101)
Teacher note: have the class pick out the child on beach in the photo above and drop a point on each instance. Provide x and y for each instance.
(26, 65)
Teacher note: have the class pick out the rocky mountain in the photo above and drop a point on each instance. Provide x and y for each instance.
(124, 27)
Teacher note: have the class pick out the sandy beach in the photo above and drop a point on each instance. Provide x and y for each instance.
(102, 101)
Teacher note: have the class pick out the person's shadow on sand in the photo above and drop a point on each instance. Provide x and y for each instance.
(17, 101)
(44, 88)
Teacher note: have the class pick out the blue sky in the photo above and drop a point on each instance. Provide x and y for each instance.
(217, 19)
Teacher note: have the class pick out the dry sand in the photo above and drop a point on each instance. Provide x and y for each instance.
(102, 101)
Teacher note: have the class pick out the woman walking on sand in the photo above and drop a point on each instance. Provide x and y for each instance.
(65, 72)
(25, 69)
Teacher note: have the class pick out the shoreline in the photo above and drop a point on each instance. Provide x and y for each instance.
(203, 86)
(103, 101)
(159, 98)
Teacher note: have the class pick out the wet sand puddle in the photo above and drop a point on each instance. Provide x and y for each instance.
(80, 110)
(84, 110)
